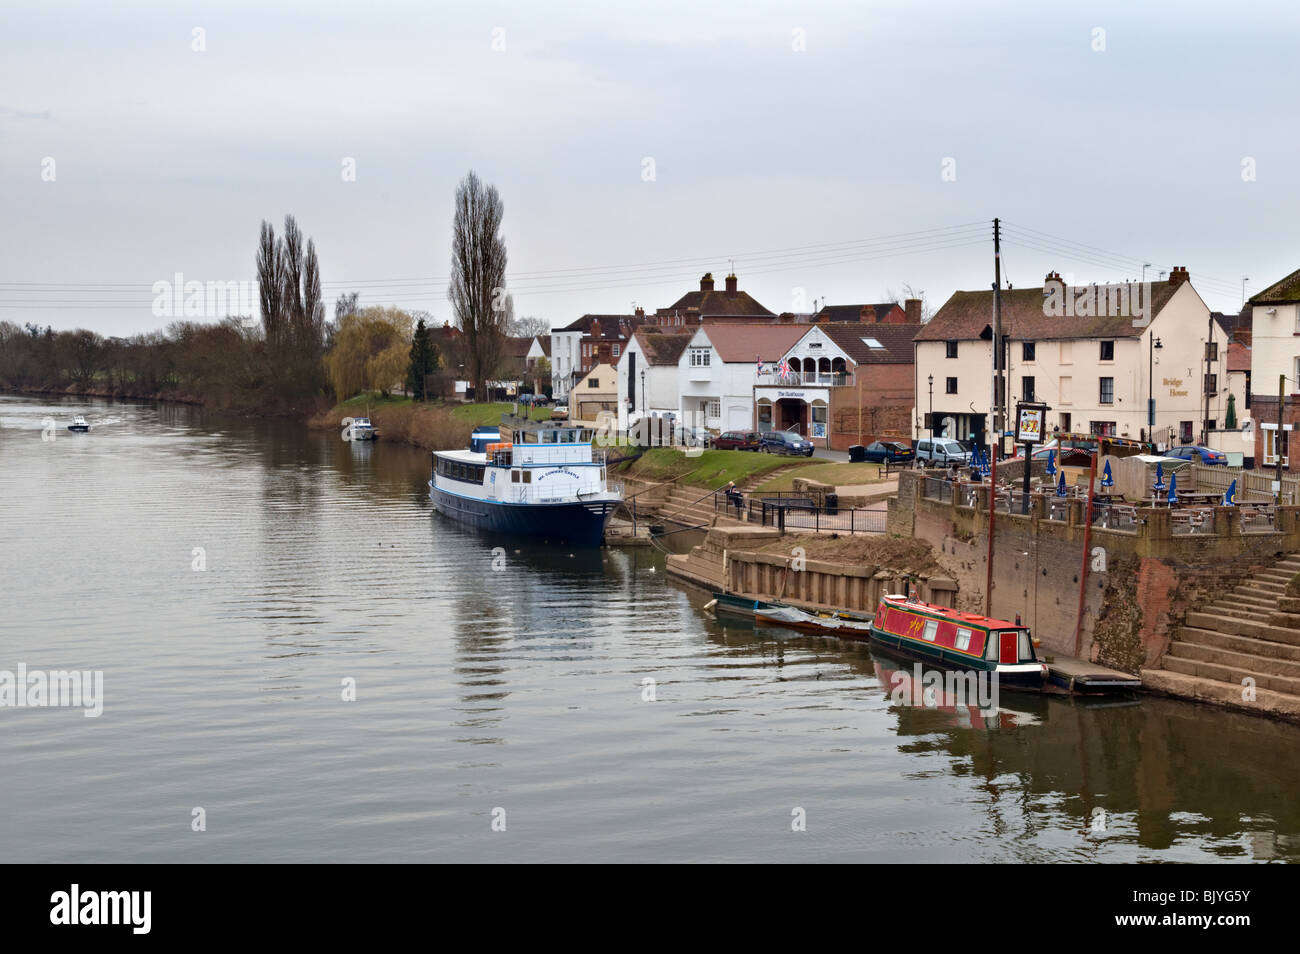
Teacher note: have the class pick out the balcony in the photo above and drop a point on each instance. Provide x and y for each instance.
(831, 379)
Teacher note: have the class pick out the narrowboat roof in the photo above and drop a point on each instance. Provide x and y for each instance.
(957, 616)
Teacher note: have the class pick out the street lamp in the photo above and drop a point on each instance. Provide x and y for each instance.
(643, 397)
(930, 379)
(1153, 347)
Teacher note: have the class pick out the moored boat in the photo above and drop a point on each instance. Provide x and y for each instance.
(79, 424)
(362, 430)
(847, 625)
(953, 639)
(544, 481)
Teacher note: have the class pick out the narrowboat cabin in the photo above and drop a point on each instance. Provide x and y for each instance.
(956, 640)
(542, 480)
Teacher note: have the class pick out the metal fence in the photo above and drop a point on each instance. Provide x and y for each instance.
(795, 511)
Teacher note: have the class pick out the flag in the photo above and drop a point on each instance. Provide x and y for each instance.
(1106, 479)
(783, 369)
(1230, 496)
(759, 369)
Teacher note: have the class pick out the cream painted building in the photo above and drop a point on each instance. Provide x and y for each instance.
(1095, 371)
(597, 391)
(1274, 359)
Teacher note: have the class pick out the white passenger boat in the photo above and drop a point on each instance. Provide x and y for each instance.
(544, 480)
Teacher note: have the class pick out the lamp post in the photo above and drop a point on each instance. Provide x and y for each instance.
(1153, 346)
(643, 397)
(930, 380)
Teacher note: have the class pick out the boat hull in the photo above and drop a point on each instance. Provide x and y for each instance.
(79, 428)
(1021, 674)
(577, 522)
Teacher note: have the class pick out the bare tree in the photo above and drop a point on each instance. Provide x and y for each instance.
(528, 327)
(270, 281)
(478, 273)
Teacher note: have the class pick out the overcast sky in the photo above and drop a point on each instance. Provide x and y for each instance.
(166, 159)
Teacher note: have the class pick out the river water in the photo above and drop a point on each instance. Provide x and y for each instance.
(234, 579)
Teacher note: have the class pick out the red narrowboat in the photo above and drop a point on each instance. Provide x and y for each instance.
(957, 640)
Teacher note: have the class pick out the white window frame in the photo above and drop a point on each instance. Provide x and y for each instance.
(931, 630)
(963, 638)
(701, 357)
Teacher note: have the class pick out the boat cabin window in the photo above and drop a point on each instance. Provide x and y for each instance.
(1026, 646)
(931, 629)
(963, 638)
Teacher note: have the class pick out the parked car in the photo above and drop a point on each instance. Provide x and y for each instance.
(695, 436)
(786, 442)
(890, 451)
(1198, 454)
(738, 440)
(942, 451)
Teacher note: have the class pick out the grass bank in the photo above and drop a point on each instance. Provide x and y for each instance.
(711, 470)
(838, 475)
(431, 426)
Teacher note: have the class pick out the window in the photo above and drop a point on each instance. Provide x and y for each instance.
(931, 629)
(1027, 351)
(700, 357)
(1102, 428)
(1185, 431)
(1107, 395)
(1027, 388)
(1108, 351)
(963, 639)
(951, 347)
(593, 383)
(615, 351)
(951, 386)
(714, 409)
(1270, 447)
(1211, 351)
(1211, 384)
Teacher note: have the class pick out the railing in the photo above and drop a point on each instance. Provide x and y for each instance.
(786, 509)
(796, 378)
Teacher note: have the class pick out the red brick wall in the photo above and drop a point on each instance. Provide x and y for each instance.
(1264, 410)
(886, 407)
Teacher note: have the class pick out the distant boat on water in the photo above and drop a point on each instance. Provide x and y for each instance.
(80, 425)
(359, 429)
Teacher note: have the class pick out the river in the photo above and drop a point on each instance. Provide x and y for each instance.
(238, 582)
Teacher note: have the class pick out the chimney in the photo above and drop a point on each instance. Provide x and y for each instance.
(640, 312)
(731, 284)
(1053, 278)
(867, 314)
(912, 307)
(1179, 275)
(706, 283)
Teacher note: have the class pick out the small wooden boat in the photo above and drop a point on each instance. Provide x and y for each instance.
(80, 425)
(957, 640)
(847, 625)
(745, 607)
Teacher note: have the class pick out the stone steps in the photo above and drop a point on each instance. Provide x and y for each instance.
(1266, 702)
(1243, 627)
(1248, 662)
(1232, 674)
(1238, 644)
(1251, 597)
(1258, 614)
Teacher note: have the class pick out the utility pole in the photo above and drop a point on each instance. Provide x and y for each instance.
(1205, 381)
(995, 402)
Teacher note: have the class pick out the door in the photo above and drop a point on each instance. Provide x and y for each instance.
(1009, 651)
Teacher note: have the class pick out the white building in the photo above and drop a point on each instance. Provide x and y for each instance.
(1096, 368)
(648, 375)
(719, 367)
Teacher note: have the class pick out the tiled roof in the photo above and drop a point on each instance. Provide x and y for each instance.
(1287, 290)
(611, 327)
(716, 303)
(740, 343)
(663, 347)
(896, 339)
(967, 314)
(853, 313)
(545, 342)
(516, 347)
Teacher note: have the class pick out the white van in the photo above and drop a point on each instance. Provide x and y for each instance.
(941, 451)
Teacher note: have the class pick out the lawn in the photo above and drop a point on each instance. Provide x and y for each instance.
(839, 475)
(491, 413)
(712, 469)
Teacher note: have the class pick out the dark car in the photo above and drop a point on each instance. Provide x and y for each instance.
(1198, 453)
(891, 451)
(738, 440)
(786, 442)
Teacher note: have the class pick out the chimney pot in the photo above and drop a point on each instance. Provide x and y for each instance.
(706, 283)
(731, 284)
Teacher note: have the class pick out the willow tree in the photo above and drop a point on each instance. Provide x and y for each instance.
(371, 351)
(478, 278)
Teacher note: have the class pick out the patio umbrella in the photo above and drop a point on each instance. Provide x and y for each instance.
(1060, 485)
(1173, 488)
(1051, 463)
(1160, 477)
(1106, 479)
(1230, 496)
(1230, 420)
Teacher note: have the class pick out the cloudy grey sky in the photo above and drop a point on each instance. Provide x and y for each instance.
(818, 169)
